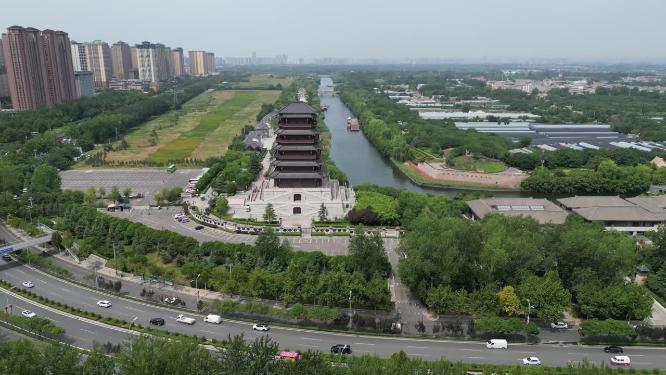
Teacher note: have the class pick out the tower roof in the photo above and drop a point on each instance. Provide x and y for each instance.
(298, 108)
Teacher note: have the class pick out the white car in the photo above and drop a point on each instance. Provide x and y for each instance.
(104, 303)
(28, 314)
(260, 327)
(620, 360)
(28, 284)
(531, 361)
(559, 325)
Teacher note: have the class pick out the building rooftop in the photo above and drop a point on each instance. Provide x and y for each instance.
(541, 210)
(296, 148)
(282, 131)
(593, 201)
(619, 214)
(296, 175)
(654, 203)
(297, 108)
(296, 163)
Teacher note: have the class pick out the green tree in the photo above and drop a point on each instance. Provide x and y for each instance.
(509, 301)
(114, 195)
(547, 296)
(45, 178)
(367, 254)
(127, 192)
(269, 214)
(90, 196)
(323, 213)
(102, 192)
(221, 206)
(268, 247)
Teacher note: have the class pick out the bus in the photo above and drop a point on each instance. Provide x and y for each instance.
(171, 168)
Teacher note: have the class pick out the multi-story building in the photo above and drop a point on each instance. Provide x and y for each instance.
(79, 57)
(99, 60)
(153, 62)
(39, 67)
(202, 63)
(177, 62)
(4, 86)
(84, 83)
(121, 60)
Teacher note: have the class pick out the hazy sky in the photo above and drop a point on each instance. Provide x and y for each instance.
(630, 30)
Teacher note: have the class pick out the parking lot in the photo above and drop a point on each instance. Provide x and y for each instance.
(142, 181)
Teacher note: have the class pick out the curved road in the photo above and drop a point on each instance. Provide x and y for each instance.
(83, 333)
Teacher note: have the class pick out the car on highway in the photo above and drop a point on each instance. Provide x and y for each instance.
(157, 321)
(497, 344)
(341, 349)
(212, 318)
(7, 258)
(104, 303)
(531, 361)
(28, 284)
(28, 314)
(614, 349)
(559, 325)
(185, 319)
(620, 360)
(199, 227)
(260, 327)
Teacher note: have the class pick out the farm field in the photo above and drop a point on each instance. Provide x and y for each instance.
(202, 128)
(264, 81)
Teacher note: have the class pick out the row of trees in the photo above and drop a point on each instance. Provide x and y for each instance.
(144, 356)
(493, 266)
(269, 269)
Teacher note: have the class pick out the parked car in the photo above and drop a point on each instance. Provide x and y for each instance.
(531, 361)
(28, 314)
(104, 303)
(260, 327)
(497, 344)
(341, 349)
(199, 227)
(620, 360)
(157, 321)
(28, 284)
(559, 325)
(7, 258)
(613, 349)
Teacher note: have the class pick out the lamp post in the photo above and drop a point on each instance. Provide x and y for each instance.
(350, 309)
(196, 286)
(529, 309)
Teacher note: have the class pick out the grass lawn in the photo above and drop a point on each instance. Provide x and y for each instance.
(263, 81)
(469, 163)
(202, 128)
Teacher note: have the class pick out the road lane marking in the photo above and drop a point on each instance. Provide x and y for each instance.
(471, 350)
(211, 332)
(308, 345)
(134, 309)
(310, 339)
(526, 352)
(87, 330)
(417, 347)
(363, 343)
(474, 357)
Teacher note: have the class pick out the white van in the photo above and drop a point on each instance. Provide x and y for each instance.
(215, 319)
(497, 344)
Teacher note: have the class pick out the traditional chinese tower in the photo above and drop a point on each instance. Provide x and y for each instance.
(297, 156)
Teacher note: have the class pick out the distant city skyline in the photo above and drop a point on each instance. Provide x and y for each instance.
(454, 31)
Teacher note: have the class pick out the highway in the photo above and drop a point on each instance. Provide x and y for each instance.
(83, 333)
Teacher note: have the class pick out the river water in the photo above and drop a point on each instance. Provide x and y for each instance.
(362, 163)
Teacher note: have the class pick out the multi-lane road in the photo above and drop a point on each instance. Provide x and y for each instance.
(83, 332)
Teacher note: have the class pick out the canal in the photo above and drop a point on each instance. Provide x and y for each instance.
(362, 163)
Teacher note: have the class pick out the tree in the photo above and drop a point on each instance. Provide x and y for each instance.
(221, 206)
(90, 196)
(367, 254)
(509, 301)
(127, 192)
(547, 296)
(67, 240)
(45, 178)
(269, 214)
(102, 192)
(114, 195)
(268, 246)
(323, 213)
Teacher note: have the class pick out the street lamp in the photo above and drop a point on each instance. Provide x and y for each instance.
(350, 309)
(196, 286)
(529, 309)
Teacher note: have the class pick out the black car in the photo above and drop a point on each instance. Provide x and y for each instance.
(6, 258)
(613, 349)
(199, 227)
(157, 321)
(341, 349)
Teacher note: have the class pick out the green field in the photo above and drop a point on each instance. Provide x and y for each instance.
(258, 81)
(469, 163)
(202, 128)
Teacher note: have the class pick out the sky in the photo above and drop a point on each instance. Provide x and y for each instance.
(461, 30)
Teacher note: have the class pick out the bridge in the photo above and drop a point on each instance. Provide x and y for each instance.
(23, 244)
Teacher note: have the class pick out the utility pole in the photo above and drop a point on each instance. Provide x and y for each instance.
(114, 260)
(529, 310)
(196, 286)
(30, 208)
(350, 309)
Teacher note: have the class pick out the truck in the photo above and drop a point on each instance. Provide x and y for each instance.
(212, 318)
(185, 320)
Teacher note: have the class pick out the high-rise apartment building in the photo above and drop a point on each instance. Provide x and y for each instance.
(178, 62)
(154, 62)
(39, 67)
(85, 86)
(99, 60)
(202, 63)
(4, 85)
(121, 60)
(79, 57)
